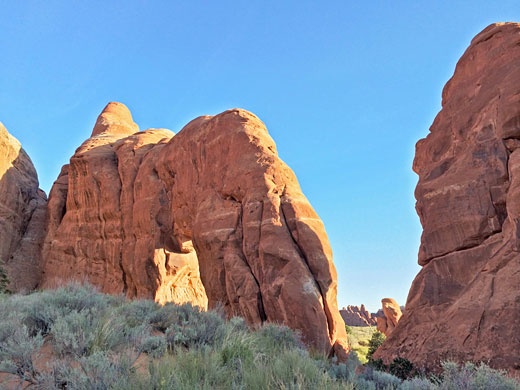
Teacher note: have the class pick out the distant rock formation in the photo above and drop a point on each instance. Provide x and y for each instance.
(22, 214)
(465, 302)
(391, 316)
(210, 216)
(357, 316)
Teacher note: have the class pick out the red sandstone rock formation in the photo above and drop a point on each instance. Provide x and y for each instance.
(465, 302)
(108, 220)
(22, 214)
(357, 316)
(391, 316)
(144, 213)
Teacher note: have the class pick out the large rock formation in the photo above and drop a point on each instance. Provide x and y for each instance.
(357, 316)
(465, 302)
(391, 316)
(146, 213)
(22, 215)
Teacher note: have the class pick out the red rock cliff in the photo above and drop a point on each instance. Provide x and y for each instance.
(465, 302)
(210, 216)
(22, 215)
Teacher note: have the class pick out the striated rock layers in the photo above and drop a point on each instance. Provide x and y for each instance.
(210, 216)
(357, 316)
(465, 302)
(391, 316)
(22, 215)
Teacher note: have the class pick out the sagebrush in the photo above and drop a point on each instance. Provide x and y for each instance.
(77, 338)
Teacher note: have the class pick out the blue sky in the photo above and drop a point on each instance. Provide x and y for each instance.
(346, 88)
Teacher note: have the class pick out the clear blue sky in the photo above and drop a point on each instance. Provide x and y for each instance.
(345, 88)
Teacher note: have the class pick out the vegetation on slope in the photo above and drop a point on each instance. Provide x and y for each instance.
(359, 338)
(76, 338)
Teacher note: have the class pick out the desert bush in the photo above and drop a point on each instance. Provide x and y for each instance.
(378, 365)
(401, 368)
(17, 350)
(98, 339)
(380, 380)
(42, 309)
(140, 311)
(73, 333)
(275, 337)
(4, 279)
(418, 384)
(194, 328)
(474, 377)
(155, 346)
(345, 371)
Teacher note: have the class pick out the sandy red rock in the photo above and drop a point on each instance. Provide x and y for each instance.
(210, 216)
(391, 316)
(22, 214)
(465, 302)
(357, 316)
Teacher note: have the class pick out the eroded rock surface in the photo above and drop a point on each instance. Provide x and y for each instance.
(22, 215)
(465, 302)
(146, 213)
(391, 316)
(357, 316)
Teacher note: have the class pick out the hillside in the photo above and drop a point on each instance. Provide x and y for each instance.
(77, 338)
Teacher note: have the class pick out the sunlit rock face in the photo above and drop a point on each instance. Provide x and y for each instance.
(210, 216)
(22, 215)
(465, 302)
(391, 316)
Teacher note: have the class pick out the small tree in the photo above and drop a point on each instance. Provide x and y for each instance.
(4, 279)
(374, 343)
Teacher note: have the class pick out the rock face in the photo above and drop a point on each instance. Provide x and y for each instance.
(391, 316)
(210, 216)
(465, 302)
(357, 316)
(22, 215)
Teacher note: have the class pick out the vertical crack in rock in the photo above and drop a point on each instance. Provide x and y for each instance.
(302, 255)
(260, 303)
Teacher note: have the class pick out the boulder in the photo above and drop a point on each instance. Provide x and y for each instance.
(465, 302)
(22, 215)
(210, 216)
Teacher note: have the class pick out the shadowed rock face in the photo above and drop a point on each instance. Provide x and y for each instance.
(465, 302)
(22, 214)
(210, 216)
(357, 316)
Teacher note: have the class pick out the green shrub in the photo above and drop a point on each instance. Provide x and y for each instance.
(275, 337)
(345, 371)
(99, 343)
(418, 384)
(401, 368)
(17, 350)
(155, 346)
(381, 380)
(4, 279)
(377, 364)
(194, 328)
(475, 377)
(375, 342)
